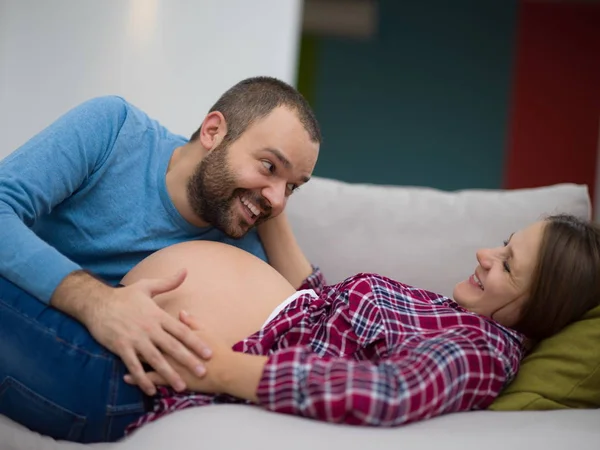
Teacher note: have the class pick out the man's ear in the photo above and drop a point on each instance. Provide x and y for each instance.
(213, 130)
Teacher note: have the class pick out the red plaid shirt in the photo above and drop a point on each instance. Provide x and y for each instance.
(371, 351)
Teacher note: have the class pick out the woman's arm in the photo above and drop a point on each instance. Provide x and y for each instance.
(455, 371)
(283, 251)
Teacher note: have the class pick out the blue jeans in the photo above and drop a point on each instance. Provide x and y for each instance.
(55, 378)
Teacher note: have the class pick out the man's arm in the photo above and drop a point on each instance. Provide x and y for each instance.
(283, 251)
(79, 295)
(37, 177)
(41, 174)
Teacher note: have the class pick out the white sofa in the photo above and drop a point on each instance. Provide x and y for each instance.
(420, 236)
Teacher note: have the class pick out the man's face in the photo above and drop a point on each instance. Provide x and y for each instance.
(238, 186)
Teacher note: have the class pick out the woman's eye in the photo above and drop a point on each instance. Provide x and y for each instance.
(505, 263)
(268, 165)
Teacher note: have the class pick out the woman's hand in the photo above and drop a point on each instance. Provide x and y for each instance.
(207, 383)
(227, 372)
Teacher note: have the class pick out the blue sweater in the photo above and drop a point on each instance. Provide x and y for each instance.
(89, 192)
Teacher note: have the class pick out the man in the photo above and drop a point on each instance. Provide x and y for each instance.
(104, 186)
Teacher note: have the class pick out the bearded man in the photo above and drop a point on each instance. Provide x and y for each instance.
(92, 195)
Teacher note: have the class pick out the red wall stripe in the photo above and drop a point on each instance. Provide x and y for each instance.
(553, 134)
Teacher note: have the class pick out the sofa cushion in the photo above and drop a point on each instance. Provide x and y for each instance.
(421, 236)
(562, 371)
(241, 427)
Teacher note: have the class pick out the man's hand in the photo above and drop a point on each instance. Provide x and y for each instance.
(228, 372)
(128, 322)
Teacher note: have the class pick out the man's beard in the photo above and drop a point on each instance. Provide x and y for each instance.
(213, 194)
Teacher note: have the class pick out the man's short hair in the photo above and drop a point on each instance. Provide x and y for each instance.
(254, 98)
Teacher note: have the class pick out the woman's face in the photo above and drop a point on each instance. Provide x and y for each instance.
(500, 284)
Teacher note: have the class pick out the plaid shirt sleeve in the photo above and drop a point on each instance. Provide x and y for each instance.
(455, 371)
(315, 281)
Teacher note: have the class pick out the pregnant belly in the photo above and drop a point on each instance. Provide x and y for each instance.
(228, 289)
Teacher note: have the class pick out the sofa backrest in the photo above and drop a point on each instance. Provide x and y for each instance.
(421, 236)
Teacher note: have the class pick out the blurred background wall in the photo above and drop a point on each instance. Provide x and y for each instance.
(422, 100)
(172, 58)
(447, 94)
(460, 94)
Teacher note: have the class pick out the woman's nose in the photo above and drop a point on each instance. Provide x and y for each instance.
(484, 257)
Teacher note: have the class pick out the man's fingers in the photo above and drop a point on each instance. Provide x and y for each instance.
(137, 373)
(158, 286)
(157, 361)
(152, 376)
(174, 348)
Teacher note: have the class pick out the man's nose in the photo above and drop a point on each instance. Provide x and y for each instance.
(275, 195)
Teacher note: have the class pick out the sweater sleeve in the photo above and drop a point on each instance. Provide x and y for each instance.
(41, 174)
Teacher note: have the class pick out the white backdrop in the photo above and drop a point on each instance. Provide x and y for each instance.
(172, 58)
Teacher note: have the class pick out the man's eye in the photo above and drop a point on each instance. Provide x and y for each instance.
(268, 165)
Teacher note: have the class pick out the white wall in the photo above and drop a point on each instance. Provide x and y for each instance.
(172, 58)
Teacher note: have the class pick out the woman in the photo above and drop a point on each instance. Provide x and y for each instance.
(369, 350)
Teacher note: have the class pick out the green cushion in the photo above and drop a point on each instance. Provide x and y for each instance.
(561, 372)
